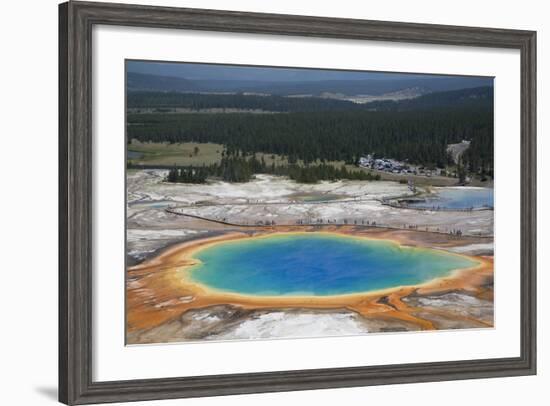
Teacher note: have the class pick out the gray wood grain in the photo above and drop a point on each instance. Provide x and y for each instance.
(76, 20)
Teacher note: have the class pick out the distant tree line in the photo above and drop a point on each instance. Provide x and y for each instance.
(315, 173)
(241, 169)
(163, 101)
(479, 97)
(420, 137)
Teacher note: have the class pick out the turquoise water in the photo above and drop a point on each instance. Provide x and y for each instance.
(318, 264)
(458, 198)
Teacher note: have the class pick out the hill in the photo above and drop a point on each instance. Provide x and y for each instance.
(481, 97)
(148, 82)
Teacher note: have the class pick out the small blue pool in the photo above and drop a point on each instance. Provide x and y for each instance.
(457, 198)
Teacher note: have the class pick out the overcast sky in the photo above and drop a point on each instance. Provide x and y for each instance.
(229, 72)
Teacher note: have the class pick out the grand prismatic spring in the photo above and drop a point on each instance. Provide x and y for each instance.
(241, 285)
(318, 264)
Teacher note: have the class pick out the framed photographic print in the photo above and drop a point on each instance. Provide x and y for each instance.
(257, 202)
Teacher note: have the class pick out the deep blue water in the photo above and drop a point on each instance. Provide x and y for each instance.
(459, 198)
(318, 264)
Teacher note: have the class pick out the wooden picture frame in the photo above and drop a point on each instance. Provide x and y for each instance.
(76, 20)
